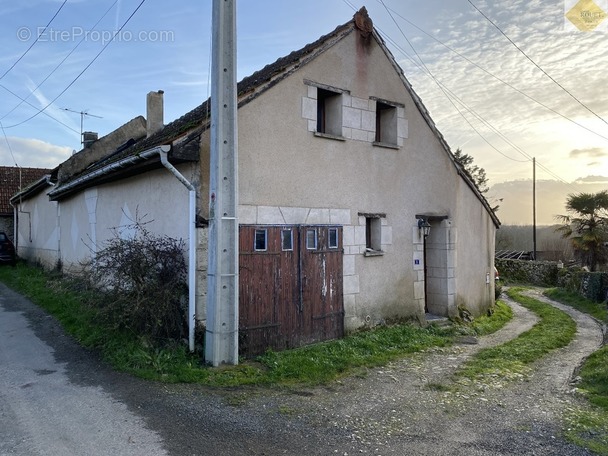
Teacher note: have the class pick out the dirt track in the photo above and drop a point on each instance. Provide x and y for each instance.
(401, 409)
(397, 410)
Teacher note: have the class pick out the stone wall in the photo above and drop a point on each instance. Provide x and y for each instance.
(591, 285)
(541, 273)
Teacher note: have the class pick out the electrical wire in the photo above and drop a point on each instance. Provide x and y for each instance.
(511, 86)
(445, 90)
(538, 66)
(35, 41)
(10, 149)
(60, 63)
(83, 71)
(35, 107)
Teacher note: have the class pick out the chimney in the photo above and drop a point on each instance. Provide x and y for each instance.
(88, 138)
(154, 114)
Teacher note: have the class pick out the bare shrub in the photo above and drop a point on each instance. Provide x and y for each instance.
(143, 279)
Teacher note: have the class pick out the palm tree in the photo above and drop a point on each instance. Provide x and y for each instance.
(586, 225)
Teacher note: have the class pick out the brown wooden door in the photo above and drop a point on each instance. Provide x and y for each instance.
(290, 286)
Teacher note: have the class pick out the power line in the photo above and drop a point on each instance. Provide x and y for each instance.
(538, 66)
(35, 41)
(60, 63)
(30, 104)
(8, 144)
(445, 91)
(511, 86)
(83, 71)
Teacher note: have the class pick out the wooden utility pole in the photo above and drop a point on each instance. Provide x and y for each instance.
(221, 337)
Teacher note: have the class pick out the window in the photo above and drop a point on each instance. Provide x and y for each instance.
(311, 239)
(373, 232)
(386, 123)
(329, 112)
(332, 235)
(261, 241)
(287, 239)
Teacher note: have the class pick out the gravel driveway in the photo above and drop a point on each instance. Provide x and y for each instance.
(400, 409)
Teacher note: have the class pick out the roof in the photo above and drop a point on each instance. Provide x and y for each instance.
(192, 124)
(14, 179)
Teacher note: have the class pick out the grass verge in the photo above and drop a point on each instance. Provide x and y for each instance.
(555, 329)
(589, 427)
(595, 309)
(314, 364)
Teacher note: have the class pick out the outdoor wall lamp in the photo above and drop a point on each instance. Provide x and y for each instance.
(424, 227)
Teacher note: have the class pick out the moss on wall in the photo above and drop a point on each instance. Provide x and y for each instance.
(591, 285)
(541, 273)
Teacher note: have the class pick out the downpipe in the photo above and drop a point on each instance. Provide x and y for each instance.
(164, 159)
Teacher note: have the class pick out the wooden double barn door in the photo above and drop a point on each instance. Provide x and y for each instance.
(290, 286)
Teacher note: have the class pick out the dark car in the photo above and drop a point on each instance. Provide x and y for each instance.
(7, 250)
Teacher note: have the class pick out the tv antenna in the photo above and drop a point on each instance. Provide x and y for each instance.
(82, 116)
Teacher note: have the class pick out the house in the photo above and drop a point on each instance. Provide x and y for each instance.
(342, 173)
(12, 180)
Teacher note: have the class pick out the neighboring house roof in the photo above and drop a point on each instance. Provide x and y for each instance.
(14, 179)
(188, 128)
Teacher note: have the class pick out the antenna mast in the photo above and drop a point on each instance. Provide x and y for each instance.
(82, 115)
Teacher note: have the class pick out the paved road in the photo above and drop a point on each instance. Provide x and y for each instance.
(42, 412)
(58, 399)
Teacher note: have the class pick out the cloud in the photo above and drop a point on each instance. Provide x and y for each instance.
(516, 206)
(595, 152)
(32, 153)
(592, 180)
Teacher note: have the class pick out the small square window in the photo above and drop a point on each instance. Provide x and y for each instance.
(311, 239)
(332, 241)
(329, 112)
(261, 241)
(386, 123)
(373, 232)
(287, 239)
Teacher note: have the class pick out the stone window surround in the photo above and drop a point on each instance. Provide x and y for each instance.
(358, 116)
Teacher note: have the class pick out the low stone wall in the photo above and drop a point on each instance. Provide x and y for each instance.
(591, 285)
(541, 273)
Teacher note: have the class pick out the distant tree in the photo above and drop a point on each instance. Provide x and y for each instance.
(475, 173)
(586, 225)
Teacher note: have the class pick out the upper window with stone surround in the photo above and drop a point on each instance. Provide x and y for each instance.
(329, 112)
(386, 124)
(336, 114)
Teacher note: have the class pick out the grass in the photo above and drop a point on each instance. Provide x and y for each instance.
(325, 362)
(312, 365)
(555, 329)
(578, 302)
(488, 324)
(589, 427)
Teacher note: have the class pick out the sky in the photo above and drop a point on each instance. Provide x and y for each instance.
(504, 80)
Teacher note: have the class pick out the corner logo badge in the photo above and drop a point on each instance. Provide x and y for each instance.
(586, 15)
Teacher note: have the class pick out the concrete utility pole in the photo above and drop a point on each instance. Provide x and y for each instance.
(534, 208)
(221, 337)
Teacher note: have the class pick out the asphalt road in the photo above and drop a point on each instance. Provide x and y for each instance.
(59, 399)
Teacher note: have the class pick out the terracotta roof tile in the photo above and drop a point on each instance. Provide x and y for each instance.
(12, 179)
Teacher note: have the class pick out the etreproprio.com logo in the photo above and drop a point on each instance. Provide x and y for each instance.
(77, 34)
